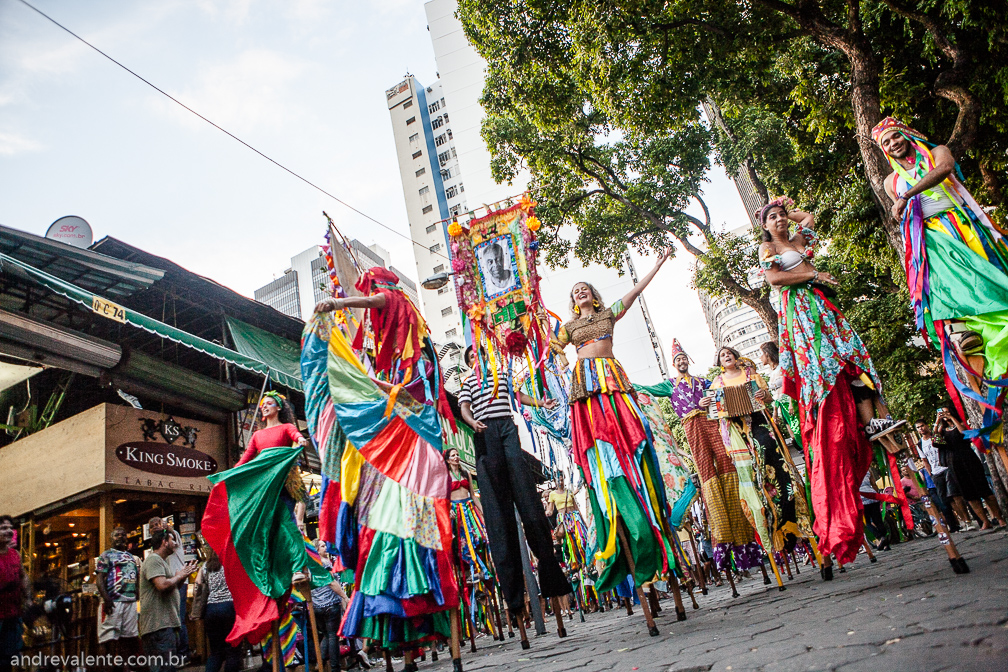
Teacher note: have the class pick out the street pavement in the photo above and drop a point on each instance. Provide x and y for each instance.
(908, 611)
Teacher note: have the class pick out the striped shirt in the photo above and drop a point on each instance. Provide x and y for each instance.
(484, 405)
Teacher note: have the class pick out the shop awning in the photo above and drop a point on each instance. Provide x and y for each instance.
(280, 354)
(113, 311)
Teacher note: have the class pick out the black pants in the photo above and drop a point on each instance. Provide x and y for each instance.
(873, 519)
(505, 483)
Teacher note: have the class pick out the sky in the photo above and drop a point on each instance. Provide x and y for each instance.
(302, 81)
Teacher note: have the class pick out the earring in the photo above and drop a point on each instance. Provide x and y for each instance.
(577, 310)
(596, 305)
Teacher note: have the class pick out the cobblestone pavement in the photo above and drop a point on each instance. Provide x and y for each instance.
(908, 611)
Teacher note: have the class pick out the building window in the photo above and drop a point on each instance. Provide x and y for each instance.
(408, 103)
(446, 173)
(436, 122)
(445, 312)
(451, 192)
(410, 120)
(427, 208)
(455, 210)
(435, 106)
(439, 268)
(444, 157)
(461, 188)
(440, 140)
(449, 134)
(453, 152)
(435, 248)
(443, 290)
(451, 333)
(446, 117)
(421, 172)
(424, 191)
(432, 228)
(414, 139)
(416, 154)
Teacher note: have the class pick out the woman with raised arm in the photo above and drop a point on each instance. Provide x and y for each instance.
(828, 371)
(612, 443)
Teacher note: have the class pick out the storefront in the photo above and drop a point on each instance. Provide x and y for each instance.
(74, 482)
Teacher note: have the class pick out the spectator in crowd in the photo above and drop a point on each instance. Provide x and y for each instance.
(175, 562)
(967, 481)
(329, 603)
(159, 599)
(910, 488)
(873, 513)
(117, 570)
(15, 591)
(220, 616)
(936, 473)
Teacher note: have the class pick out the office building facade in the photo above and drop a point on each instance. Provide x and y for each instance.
(433, 192)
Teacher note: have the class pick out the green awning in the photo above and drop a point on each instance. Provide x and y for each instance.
(113, 311)
(283, 356)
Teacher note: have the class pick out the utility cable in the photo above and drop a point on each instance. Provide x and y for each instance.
(227, 132)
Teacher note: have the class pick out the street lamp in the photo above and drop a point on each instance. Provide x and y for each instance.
(436, 281)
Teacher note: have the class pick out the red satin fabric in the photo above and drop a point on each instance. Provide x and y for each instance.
(841, 457)
(609, 419)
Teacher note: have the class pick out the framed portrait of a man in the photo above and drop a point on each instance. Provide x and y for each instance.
(497, 267)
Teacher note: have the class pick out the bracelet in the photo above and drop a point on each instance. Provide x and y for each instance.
(815, 274)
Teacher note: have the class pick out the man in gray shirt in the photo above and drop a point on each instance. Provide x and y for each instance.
(159, 598)
(176, 561)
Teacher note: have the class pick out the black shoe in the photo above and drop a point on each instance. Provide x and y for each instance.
(826, 573)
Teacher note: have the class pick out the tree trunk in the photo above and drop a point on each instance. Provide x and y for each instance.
(992, 181)
(867, 107)
(761, 304)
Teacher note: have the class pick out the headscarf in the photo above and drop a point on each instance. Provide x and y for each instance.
(894, 124)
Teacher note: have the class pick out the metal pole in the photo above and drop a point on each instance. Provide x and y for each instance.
(530, 580)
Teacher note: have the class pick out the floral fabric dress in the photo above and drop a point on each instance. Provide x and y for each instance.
(821, 356)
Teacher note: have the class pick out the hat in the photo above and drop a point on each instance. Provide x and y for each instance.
(677, 350)
(893, 124)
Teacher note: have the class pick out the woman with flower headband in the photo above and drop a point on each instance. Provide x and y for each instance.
(770, 488)
(828, 371)
(612, 444)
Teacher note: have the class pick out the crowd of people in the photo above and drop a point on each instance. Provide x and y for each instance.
(804, 466)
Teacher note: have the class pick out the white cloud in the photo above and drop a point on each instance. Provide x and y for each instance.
(250, 91)
(12, 143)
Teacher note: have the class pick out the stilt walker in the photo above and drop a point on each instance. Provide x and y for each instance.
(612, 445)
(731, 533)
(394, 486)
(498, 291)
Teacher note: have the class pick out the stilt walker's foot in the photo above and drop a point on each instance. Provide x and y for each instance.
(680, 615)
(959, 565)
(653, 631)
(735, 593)
(780, 588)
(704, 590)
(457, 664)
(826, 573)
(766, 580)
(873, 559)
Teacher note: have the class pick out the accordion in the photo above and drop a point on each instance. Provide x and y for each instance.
(735, 401)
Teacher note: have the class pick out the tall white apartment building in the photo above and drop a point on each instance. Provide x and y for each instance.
(306, 281)
(433, 191)
(461, 74)
(732, 322)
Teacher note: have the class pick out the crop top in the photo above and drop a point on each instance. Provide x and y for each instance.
(789, 259)
(595, 327)
(460, 485)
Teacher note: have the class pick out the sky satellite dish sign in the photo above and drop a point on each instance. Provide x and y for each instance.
(71, 230)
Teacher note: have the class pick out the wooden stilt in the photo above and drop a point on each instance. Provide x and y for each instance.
(773, 566)
(867, 549)
(645, 607)
(433, 653)
(629, 606)
(731, 582)
(520, 622)
(815, 551)
(558, 613)
(958, 563)
(698, 570)
(456, 647)
(680, 610)
(388, 662)
(507, 617)
(495, 608)
(787, 565)
(277, 664)
(305, 589)
(652, 596)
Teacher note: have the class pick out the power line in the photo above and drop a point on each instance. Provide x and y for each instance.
(224, 130)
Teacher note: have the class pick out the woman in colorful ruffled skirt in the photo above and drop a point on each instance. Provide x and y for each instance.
(612, 445)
